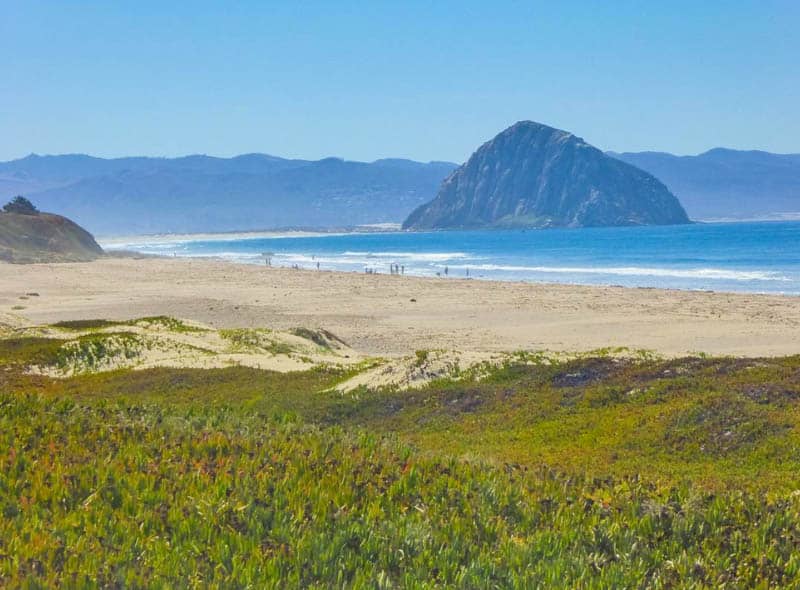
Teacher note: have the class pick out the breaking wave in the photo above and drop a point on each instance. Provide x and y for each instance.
(637, 271)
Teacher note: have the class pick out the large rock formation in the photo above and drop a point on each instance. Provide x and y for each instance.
(26, 235)
(532, 175)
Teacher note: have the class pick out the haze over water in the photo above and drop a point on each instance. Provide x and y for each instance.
(759, 257)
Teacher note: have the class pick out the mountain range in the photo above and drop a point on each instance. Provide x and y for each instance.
(533, 175)
(258, 191)
(203, 193)
(727, 184)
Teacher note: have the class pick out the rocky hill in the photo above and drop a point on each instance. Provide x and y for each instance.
(532, 175)
(27, 235)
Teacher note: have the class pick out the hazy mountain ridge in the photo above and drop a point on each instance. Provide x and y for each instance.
(727, 184)
(533, 175)
(260, 191)
(204, 193)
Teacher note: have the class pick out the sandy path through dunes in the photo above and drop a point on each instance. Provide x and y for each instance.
(376, 315)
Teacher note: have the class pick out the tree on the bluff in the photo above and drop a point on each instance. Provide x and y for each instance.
(20, 204)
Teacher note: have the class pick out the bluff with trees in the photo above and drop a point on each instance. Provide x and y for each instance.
(28, 235)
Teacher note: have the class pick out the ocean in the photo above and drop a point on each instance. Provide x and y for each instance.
(757, 257)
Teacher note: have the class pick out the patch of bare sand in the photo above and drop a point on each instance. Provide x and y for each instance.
(416, 371)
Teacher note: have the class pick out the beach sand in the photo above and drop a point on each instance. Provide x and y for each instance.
(389, 316)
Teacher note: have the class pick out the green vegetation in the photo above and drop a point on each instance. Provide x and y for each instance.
(164, 322)
(90, 351)
(250, 340)
(590, 472)
(91, 324)
(142, 495)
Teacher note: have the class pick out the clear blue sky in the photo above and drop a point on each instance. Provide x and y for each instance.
(424, 80)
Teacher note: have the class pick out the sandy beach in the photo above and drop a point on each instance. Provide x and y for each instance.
(386, 315)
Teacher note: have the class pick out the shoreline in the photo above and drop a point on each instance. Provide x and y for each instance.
(122, 253)
(390, 316)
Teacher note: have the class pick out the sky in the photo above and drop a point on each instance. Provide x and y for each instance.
(367, 80)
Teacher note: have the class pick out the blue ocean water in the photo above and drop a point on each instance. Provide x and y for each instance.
(762, 257)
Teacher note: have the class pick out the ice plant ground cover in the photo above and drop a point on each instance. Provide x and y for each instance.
(590, 471)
